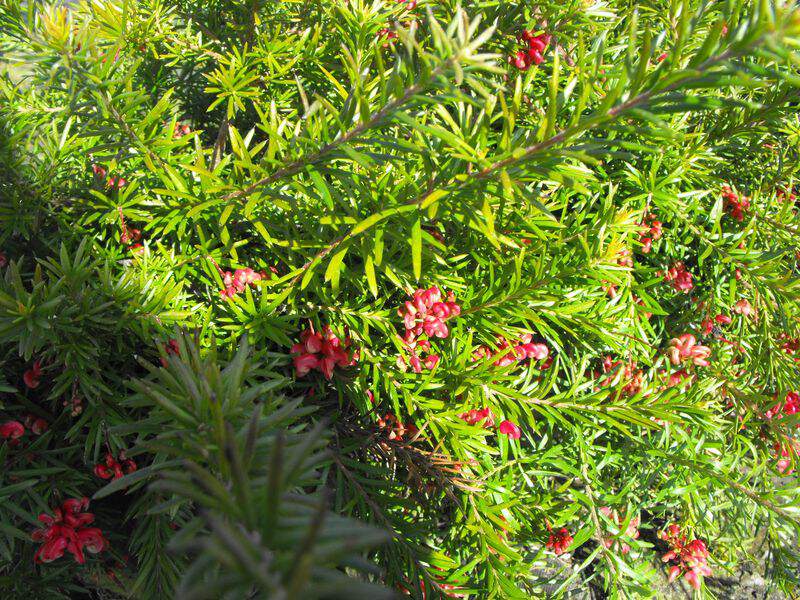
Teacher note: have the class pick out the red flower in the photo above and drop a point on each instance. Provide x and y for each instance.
(12, 431)
(66, 531)
(533, 54)
(389, 35)
(323, 351)
(785, 195)
(510, 429)
(789, 407)
(684, 347)
(425, 314)
(431, 361)
(792, 404)
(114, 468)
(75, 405)
(32, 375)
(181, 130)
(559, 541)
(476, 417)
(37, 425)
(3, 260)
(708, 325)
(116, 183)
(679, 277)
(238, 281)
(789, 345)
(691, 557)
(743, 307)
(785, 452)
(172, 348)
(678, 377)
(652, 232)
(304, 363)
(523, 349)
(519, 59)
(395, 429)
(626, 373)
(99, 171)
(735, 205)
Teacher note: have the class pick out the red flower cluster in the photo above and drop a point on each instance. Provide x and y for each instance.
(785, 452)
(559, 541)
(389, 36)
(789, 407)
(32, 376)
(610, 289)
(181, 130)
(735, 204)
(632, 377)
(395, 429)
(710, 325)
(67, 531)
(744, 308)
(485, 419)
(475, 416)
(624, 258)
(679, 277)
(37, 425)
(74, 404)
(238, 281)
(523, 349)
(111, 182)
(691, 557)
(12, 431)
(114, 468)
(523, 59)
(685, 347)
(632, 531)
(172, 349)
(426, 314)
(3, 260)
(789, 345)
(786, 195)
(652, 232)
(678, 377)
(322, 351)
(116, 183)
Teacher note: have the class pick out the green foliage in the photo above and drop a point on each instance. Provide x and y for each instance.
(238, 455)
(350, 153)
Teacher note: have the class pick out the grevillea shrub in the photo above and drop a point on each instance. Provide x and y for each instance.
(370, 299)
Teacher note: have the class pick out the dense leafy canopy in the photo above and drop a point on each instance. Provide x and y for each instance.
(354, 299)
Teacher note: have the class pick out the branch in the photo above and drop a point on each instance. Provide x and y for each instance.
(303, 161)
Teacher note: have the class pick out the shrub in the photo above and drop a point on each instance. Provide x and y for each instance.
(355, 300)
